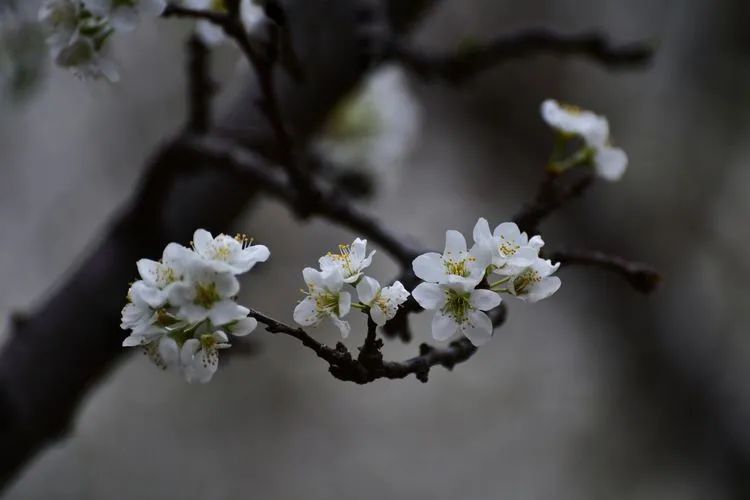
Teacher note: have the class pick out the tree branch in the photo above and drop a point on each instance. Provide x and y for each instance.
(466, 63)
(642, 277)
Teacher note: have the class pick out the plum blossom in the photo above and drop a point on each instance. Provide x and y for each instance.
(325, 299)
(200, 356)
(351, 260)
(383, 302)
(183, 309)
(535, 282)
(610, 162)
(236, 255)
(207, 294)
(124, 14)
(456, 265)
(511, 249)
(458, 308)
(59, 20)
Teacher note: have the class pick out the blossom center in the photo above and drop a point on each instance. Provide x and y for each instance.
(457, 267)
(525, 280)
(457, 305)
(327, 302)
(206, 295)
(344, 258)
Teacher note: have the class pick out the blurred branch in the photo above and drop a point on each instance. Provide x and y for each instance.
(200, 86)
(642, 277)
(467, 62)
(553, 192)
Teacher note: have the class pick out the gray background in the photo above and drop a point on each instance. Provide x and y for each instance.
(569, 401)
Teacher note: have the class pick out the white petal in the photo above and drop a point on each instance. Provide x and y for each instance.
(189, 348)
(169, 351)
(313, 277)
(244, 327)
(124, 18)
(333, 280)
(367, 290)
(133, 341)
(226, 284)
(226, 311)
(443, 326)
(202, 241)
(343, 326)
(429, 295)
(508, 231)
(536, 242)
(544, 289)
(345, 303)
(482, 231)
(306, 312)
(524, 257)
(455, 243)
(358, 250)
(149, 271)
(479, 328)
(210, 33)
(484, 300)
(611, 163)
(378, 315)
(251, 256)
(429, 267)
(152, 8)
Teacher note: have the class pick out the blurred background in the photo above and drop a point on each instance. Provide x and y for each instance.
(598, 393)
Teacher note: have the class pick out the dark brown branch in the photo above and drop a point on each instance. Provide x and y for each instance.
(371, 367)
(329, 203)
(640, 276)
(554, 191)
(200, 86)
(466, 63)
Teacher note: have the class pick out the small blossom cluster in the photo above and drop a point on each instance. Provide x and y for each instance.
(462, 284)
(78, 31)
(570, 121)
(327, 295)
(182, 310)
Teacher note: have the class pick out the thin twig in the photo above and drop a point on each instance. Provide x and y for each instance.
(642, 277)
(467, 62)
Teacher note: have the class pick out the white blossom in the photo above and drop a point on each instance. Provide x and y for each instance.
(160, 277)
(325, 299)
(351, 260)
(376, 128)
(199, 357)
(383, 302)
(206, 294)
(124, 14)
(86, 61)
(59, 20)
(183, 308)
(458, 308)
(227, 254)
(456, 265)
(510, 249)
(535, 282)
(610, 162)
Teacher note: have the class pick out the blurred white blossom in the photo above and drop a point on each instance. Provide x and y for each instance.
(124, 14)
(376, 128)
(610, 162)
(183, 308)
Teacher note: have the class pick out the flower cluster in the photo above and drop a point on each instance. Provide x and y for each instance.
(328, 298)
(610, 162)
(462, 284)
(78, 32)
(182, 309)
